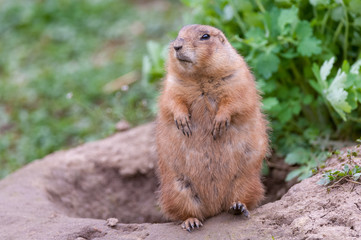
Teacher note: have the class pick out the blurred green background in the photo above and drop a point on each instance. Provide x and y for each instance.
(56, 59)
(70, 70)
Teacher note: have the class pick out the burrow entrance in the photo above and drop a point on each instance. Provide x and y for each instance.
(102, 192)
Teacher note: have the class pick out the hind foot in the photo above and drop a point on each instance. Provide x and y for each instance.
(191, 223)
(238, 208)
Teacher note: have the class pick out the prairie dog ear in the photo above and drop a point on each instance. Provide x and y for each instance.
(221, 38)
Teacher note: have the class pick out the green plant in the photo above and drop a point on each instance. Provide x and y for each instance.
(351, 171)
(60, 65)
(284, 42)
(337, 176)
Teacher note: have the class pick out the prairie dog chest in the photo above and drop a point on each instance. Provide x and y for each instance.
(210, 86)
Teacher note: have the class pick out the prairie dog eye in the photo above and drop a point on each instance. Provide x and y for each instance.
(205, 37)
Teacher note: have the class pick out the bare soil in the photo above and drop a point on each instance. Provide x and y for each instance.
(71, 194)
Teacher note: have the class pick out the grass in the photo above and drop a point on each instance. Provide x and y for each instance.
(57, 56)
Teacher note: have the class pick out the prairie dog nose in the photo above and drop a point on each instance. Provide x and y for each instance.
(177, 47)
(178, 44)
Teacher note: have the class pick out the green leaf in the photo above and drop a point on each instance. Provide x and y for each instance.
(324, 181)
(337, 98)
(228, 12)
(356, 176)
(155, 52)
(266, 64)
(146, 67)
(291, 53)
(288, 18)
(244, 5)
(306, 173)
(296, 107)
(283, 2)
(269, 103)
(352, 99)
(303, 29)
(297, 156)
(320, 85)
(345, 66)
(285, 115)
(357, 22)
(351, 80)
(355, 6)
(319, 2)
(309, 46)
(337, 13)
(255, 34)
(311, 133)
(293, 174)
(337, 95)
(326, 68)
(355, 68)
(316, 72)
(315, 86)
(308, 99)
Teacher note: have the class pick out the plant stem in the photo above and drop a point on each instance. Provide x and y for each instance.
(338, 181)
(346, 32)
(304, 88)
(260, 6)
(354, 119)
(349, 180)
(337, 32)
(324, 21)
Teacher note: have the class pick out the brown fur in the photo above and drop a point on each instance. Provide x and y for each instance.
(204, 173)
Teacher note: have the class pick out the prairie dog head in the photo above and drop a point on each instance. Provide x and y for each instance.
(200, 48)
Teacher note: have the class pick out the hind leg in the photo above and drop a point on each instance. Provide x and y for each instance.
(247, 192)
(180, 201)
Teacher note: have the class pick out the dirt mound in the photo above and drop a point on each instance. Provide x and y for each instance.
(70, 194)
(111, 178)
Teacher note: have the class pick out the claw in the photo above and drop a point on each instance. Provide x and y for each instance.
(190, 131)
(246, 213)
(238, 208)
(234, 206)
(183, 123)
(191, 223)
(219, 127)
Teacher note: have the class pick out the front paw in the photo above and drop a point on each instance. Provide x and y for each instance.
(220, 125)
(183, 123)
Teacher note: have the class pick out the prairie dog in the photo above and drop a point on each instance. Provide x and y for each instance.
(211, 133)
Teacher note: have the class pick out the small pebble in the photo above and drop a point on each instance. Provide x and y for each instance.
(112, 222)
(122, 126)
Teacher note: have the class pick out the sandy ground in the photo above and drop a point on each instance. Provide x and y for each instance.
(70, 194)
